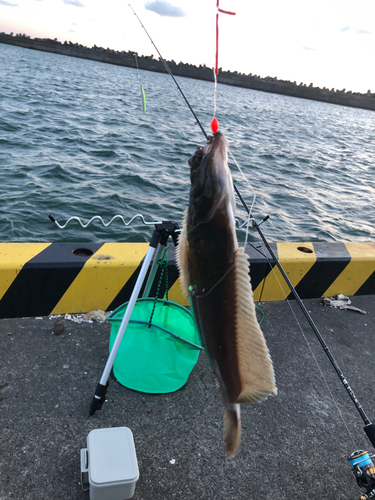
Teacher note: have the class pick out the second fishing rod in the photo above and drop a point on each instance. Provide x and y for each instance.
(369, 427)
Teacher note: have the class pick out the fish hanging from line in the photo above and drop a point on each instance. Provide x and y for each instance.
(214, 271)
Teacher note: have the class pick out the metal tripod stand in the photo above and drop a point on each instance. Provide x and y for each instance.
(158, 242)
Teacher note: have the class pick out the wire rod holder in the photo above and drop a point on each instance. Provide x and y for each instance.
(160, 236)
(100, 219)
(239, 225)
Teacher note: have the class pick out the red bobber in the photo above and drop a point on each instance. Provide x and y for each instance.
(214, 125)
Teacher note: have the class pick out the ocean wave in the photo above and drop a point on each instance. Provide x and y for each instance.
(74, 140)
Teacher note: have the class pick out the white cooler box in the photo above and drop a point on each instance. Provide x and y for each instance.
(109, 467)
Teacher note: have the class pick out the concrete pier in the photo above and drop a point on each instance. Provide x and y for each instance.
(294, 445)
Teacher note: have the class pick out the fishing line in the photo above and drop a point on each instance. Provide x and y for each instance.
(183, 95)
(170, 73)
(253, 191)
(312, 352)
(216, 72)
(215, 92)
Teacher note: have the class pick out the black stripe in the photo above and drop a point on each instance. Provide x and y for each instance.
(368, 287)
(332, 258)
(44, 279)
(125, 293)
(261, 262)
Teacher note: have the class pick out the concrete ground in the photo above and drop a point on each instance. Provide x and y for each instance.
(294, 445)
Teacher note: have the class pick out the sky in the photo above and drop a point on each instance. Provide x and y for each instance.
(329, 43)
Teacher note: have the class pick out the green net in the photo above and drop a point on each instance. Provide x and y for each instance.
(157, 359)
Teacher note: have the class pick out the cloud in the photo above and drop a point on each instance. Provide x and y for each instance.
(76, 3)
(363, 32)
(309, 48)
(164, 8)
(358, 31)
(8, 4)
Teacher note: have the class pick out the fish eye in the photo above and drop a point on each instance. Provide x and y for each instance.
(196, 159)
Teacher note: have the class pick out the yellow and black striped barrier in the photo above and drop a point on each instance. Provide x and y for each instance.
(39, 279)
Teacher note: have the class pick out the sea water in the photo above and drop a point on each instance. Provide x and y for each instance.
(74, 141)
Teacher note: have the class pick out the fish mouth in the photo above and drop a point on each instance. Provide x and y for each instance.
(217, 144)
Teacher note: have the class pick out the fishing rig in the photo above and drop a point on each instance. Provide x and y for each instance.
(360, 461)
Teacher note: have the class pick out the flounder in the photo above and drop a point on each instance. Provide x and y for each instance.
(214, 271)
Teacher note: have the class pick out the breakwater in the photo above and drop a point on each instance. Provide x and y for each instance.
(78, 278)
(267, 84)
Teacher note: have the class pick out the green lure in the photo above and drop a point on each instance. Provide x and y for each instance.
(143, 95)
(143, 99)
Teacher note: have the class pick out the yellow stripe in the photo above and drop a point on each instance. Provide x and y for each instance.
(13, 256)
(176, 295)
(295, 264)
(359, 269)
(102, 277)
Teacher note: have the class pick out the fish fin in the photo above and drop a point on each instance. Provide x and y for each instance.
(254, 361)
(232, 429)
(181, 257)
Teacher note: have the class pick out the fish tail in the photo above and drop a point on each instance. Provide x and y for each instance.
(232, 429)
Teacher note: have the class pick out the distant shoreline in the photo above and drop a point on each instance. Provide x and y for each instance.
(254, 82)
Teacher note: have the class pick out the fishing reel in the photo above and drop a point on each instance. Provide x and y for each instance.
(364, 471)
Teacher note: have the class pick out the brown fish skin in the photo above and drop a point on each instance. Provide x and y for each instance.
(215, 273)
(212, 242)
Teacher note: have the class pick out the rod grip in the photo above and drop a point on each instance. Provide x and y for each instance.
(370, 431)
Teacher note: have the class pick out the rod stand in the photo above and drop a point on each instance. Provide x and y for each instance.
(160, 236)
(165, 229)
(261, 222)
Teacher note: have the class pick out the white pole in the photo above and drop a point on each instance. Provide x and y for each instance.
(126, 318)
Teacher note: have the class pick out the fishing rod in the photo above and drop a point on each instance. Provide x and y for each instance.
(359, 465)
(170, 73)
(369, 427)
